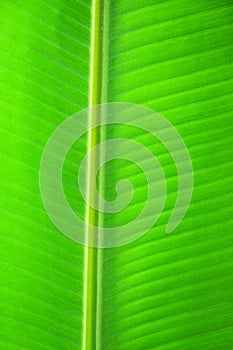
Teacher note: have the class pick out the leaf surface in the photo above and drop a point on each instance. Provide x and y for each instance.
(162, 291)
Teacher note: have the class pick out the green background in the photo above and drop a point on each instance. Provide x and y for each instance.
(162, 291)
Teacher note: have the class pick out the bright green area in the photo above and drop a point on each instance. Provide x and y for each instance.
(44, 64)
(175, 291)
(166, 292)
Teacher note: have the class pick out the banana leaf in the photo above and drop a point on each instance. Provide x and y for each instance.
(161, 291)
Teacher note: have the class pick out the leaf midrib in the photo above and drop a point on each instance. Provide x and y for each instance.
(97, 95)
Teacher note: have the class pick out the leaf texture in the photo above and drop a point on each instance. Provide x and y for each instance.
(45, 77)
(162, 291)
(175, 291)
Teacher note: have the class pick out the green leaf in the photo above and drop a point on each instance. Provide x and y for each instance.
(162, 291)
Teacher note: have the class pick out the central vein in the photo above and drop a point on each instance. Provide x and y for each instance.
(97, 95)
